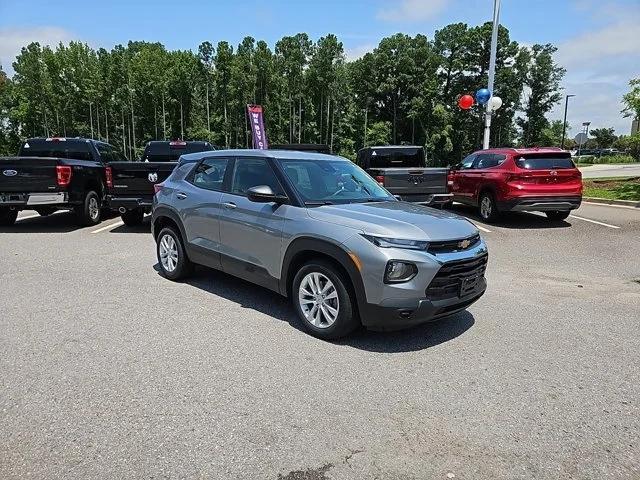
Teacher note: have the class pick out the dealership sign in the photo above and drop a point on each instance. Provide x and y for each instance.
(257, 127)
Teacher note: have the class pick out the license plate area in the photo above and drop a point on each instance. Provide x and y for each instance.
(468, 285)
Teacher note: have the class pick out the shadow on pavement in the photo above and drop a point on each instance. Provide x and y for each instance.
(63, 222)
(513, 220)
(144, 227)
(274, 305)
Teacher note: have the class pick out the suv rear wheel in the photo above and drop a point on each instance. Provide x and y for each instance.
(7, 216)
(322, 300)
(131, 218)
(557, 215)
(171, 255)
(89, 212)
(487, 207)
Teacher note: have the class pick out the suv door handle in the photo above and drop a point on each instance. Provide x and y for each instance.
(229, 205)
(181, 196)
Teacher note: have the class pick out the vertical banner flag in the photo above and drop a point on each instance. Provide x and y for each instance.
(257, 127)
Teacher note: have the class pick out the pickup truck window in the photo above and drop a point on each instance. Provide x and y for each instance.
(78, 150)
(210, 174)
(397, 159)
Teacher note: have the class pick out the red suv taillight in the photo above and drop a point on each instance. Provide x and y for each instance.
(63, 175)
(380, 180)
(108, 173)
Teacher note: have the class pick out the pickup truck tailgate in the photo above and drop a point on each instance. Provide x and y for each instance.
(138, 178)
(415, 181)
(28, 174)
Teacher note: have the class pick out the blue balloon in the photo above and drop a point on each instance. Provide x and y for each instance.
(483, 95)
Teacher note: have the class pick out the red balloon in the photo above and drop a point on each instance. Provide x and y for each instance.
(466, 102)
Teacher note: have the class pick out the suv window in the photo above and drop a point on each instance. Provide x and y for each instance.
(544, 162)
(210, 173)
(251, 172)
(488, 160)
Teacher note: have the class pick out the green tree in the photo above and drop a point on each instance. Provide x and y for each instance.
(605, 137)
(631, 100)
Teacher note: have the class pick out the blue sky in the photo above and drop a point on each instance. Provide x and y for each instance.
(598, 41)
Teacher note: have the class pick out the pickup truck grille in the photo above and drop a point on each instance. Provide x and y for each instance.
(457, 279)
(451, 246)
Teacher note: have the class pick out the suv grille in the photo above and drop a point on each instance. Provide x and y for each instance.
(457, 279)
(450, 246)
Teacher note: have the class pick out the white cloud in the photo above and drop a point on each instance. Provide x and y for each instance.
(12, 39)
(411, 10)
(599, 65)
(358, 51)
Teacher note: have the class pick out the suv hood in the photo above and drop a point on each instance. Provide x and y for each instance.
(396, 220)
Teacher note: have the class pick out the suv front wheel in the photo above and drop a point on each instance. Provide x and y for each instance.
(322, 300)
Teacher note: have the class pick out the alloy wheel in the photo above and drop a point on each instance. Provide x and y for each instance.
(168, 253)
(485, 207)
(318, 300)
(94, 208)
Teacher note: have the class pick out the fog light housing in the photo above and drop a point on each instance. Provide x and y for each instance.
(398, 271)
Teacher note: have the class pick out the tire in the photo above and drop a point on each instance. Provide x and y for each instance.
(174, 266)
(132, 218)
(7, 216)
(89, 213)
(314, 319)
(557, 215)
(45, 211)
(487, 207)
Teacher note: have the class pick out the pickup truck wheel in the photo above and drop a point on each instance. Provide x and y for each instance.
(7, 216)
(557, 215)
(89, 212)
(323, 302)
(172, 258)
(488, 208)
(132, 218)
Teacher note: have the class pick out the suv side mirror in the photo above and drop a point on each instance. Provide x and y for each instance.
(264, 194)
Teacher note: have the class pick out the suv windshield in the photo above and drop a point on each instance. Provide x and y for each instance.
(534, 162)
(332, 181)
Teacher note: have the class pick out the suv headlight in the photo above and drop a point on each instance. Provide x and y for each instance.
(386, 242)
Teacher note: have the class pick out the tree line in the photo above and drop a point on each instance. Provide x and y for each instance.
(404, 91)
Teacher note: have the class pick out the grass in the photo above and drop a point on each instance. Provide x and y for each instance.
(611, 159)
(613, 188)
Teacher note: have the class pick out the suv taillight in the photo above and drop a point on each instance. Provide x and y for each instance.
(380, 180)
(63, 175)
(108, 173)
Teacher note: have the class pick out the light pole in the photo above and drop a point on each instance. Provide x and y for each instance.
(91, 117)
(564, 123)
(492, 70)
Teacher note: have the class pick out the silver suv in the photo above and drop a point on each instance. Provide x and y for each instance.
(320, 230)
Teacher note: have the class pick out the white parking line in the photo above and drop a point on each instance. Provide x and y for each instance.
(593, 221)
(609, 205)
(109, 227)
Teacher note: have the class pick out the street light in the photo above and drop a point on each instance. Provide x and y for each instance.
(564, 123)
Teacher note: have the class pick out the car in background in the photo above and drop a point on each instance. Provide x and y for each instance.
(56, 173)
(517, 180)
(131, 184)
(318, 229)
(402, 170)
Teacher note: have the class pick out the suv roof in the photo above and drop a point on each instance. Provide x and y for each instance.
(285, 154)
(523, 151)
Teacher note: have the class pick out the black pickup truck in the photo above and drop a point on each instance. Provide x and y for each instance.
(52, 174)
(403, 171)
(132, 187)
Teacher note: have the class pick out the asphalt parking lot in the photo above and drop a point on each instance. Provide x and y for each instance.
(107, 370)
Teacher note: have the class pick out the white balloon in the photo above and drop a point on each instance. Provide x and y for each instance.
(495, 103)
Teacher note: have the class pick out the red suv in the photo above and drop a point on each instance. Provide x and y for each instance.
(509, 179)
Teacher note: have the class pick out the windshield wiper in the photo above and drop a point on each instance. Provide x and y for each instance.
(317, 204)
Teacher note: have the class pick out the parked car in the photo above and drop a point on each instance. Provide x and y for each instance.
(131, 183)
(56, 173)
(318, 229)
(507, 179)
(403, 171)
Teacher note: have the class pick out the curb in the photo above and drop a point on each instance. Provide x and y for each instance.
(606, 201)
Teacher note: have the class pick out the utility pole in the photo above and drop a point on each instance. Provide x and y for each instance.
(492, 71)
(564, 123)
